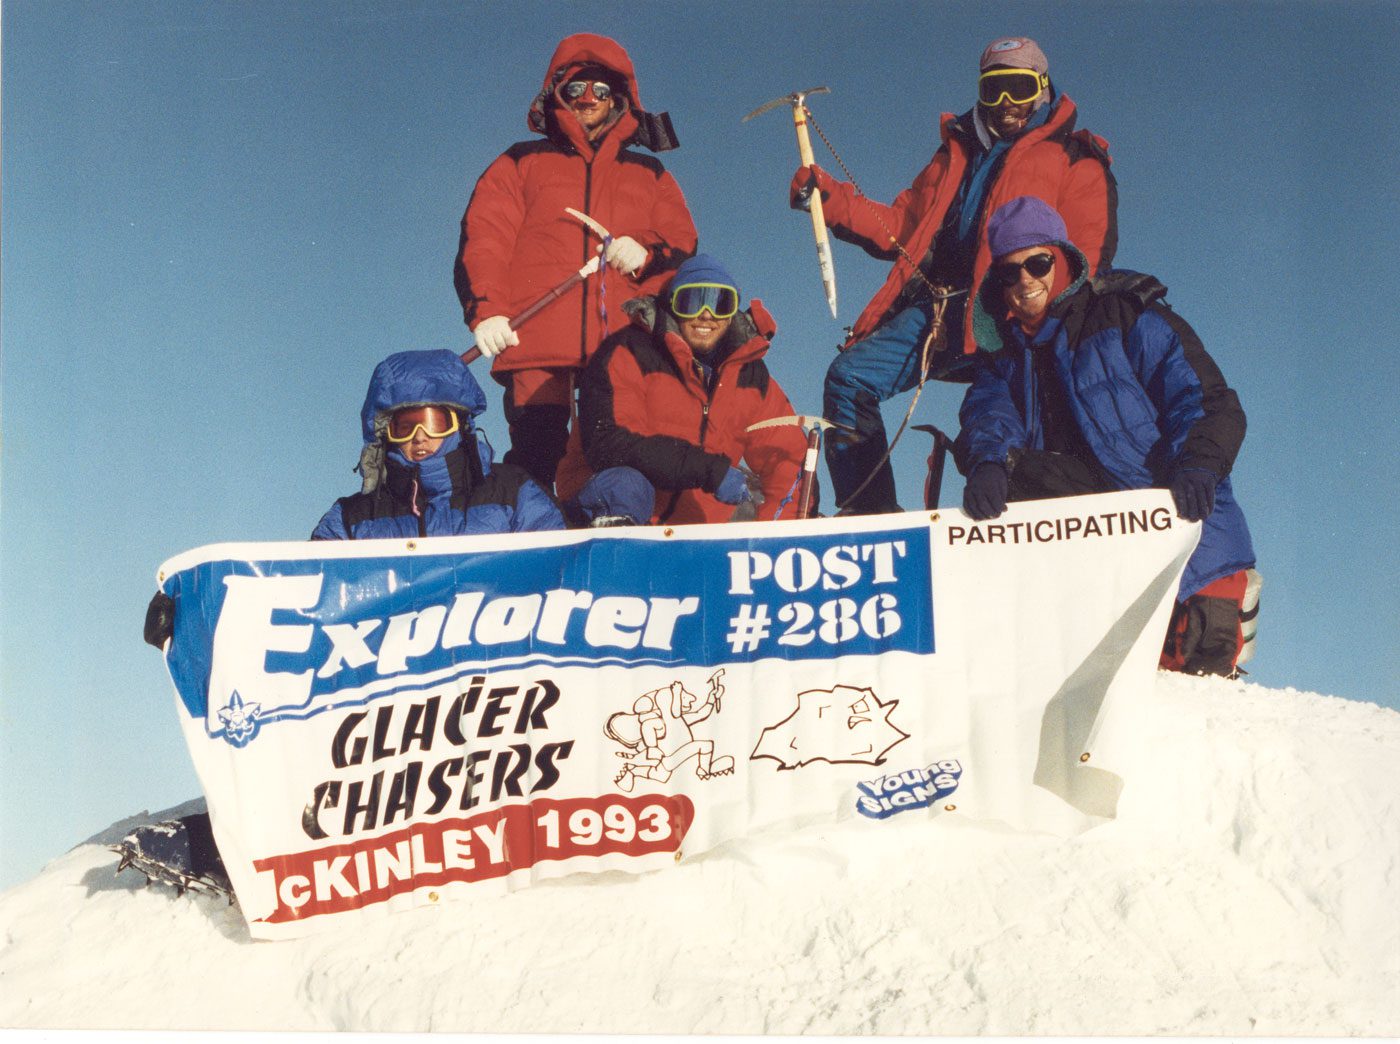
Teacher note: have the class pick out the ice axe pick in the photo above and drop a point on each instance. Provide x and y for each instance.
(804, 149)
(814, 426)
(534, 307)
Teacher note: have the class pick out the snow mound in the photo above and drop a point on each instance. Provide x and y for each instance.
(1249, 886)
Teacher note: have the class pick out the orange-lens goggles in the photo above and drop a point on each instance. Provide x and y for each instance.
(436, 423)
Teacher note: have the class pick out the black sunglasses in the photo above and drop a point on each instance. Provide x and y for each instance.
(1038, 265)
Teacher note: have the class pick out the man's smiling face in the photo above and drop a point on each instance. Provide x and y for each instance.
(1029, 296)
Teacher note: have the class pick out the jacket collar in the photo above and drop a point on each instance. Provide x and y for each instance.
(1060, 121)
(567, 130)
(442, 474)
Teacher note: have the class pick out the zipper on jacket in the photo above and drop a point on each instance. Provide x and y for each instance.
(417, 510)
(665, 515)
(602, 267)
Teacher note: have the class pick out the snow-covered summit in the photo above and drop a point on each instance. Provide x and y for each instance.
(1251, 885)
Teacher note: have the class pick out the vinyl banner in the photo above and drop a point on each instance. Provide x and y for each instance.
(393, 723)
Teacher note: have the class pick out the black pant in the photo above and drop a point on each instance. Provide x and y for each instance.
(1039, 475)
(539, 436)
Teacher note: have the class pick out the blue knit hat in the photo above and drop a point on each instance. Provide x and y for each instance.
(1024, 222)
(702, 268)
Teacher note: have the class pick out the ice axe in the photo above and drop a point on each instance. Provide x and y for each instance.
(814, 427)
(933, 485)
(804, 149)
(535, 307)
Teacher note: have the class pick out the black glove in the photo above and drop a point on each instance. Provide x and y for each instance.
(160, 620)
(1193, 492)
(984, 496)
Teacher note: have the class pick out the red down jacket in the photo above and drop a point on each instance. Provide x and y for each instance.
(1067, 168)
(642, 404)
(517, 242)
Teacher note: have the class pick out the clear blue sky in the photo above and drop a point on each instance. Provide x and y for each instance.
(220, 215)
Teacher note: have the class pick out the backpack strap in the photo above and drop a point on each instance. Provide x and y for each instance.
(1116, 297)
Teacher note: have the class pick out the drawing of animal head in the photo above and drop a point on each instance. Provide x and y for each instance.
(841, 725)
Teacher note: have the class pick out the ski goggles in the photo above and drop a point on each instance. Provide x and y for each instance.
(1017, 86)
(434, 421)
(1008, 273)
(690, 300)
(576, 89)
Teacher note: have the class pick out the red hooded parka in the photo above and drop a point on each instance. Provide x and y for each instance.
(517, 242)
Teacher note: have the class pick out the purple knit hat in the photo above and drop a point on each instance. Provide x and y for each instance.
(1025, 221)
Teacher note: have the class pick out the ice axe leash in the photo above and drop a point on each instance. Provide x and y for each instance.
(814, 427)
(592, 265)
(800, 114)
(606, 241)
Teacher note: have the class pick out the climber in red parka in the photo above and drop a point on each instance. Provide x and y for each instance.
(517, 242)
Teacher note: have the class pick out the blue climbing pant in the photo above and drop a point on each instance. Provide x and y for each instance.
(870, 372)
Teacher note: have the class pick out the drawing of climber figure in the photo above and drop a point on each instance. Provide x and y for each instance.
(659, 738)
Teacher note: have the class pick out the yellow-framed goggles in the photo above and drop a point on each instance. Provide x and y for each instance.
(435, 422)
(690, 299)
(1017, 86)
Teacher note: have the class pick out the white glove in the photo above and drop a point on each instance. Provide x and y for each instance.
(625, 254)
(494, 335)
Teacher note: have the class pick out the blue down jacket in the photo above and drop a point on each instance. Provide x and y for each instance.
(455, 492)
(1144, 393)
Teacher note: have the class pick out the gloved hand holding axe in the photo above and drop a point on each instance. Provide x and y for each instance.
(814, 426)
(497, 333)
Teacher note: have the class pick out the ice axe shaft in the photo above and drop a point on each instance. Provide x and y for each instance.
(804, 149)
(815, 426)
(550, 296)
(933, 486)
(535, 307)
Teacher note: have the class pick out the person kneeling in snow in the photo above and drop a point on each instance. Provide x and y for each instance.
(424, 470)
(665, 408)
(1095, 386)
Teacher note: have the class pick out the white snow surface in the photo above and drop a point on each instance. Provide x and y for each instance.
(1249, 887)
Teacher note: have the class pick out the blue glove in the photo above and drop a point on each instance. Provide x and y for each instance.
(1193, 492)
(733, 488)
(984, 496)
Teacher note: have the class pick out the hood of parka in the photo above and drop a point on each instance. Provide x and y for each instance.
(989, 311)
(628, 121)
(436, 377)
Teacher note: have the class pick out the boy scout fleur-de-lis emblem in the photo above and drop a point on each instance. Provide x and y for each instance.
(240, 720)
